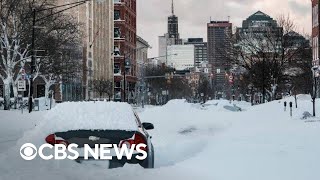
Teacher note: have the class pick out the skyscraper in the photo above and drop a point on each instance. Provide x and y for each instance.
(172, 37)
(173, 26)
(219, 34)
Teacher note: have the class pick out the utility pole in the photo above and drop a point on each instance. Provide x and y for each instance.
(315, 89)
(124, 78)
(33, 61)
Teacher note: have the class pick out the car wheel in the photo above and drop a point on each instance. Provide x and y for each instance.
(116, 164)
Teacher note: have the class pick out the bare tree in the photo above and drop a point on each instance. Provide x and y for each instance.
(177, 87)
(263, 55)
(102, 87)
(204, 87)
(59, 31)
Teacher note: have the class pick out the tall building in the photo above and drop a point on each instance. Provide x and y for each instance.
(173, 26)
(125, 38)
(200, 51)
(315, 32)
(96, 24)
(182, 58)
(172, 37)
(219, 40)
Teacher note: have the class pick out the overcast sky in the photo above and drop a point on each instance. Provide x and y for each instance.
(195, 14)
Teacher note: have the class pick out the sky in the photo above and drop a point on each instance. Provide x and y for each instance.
(195, 14)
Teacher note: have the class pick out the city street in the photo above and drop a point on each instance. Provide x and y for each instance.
(191, 141)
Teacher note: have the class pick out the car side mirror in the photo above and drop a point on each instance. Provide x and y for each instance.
(148, 126)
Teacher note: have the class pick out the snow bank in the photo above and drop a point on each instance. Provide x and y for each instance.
(44, 103)
(262, 143)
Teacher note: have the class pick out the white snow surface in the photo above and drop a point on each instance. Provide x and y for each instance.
(90, 116)
(193, 141)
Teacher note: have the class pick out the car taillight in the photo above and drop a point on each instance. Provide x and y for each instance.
(52, 139)
(138, 139)
(128, 143)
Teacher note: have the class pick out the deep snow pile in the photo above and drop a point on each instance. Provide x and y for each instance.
(263, 143)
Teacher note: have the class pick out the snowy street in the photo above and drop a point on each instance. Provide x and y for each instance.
(191, 141)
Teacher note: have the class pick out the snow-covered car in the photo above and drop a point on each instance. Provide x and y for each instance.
(96, 123)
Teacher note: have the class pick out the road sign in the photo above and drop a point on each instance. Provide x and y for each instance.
(22, 86)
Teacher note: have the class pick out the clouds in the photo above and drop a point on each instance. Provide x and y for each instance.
(195, 14)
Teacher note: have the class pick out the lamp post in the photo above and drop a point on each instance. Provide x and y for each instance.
(34, 21)
(127, 65)
(315, 71)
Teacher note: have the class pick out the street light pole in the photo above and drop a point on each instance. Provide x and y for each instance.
(124, 78)
(315, 75)
(33, 61)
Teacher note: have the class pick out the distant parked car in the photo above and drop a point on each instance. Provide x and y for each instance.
(103, 135)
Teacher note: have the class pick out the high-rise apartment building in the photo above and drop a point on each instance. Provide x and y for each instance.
(219, 40)
(125, 28)
(200, 51)
(182, 58)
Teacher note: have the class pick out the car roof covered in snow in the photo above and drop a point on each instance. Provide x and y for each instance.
(91, 116)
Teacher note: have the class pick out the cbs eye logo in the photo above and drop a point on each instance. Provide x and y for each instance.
(28, 151)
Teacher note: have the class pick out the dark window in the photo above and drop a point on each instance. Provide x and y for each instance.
(1, 90)
(117, 32)
(40, 91)
(117, 15)
(116, 68)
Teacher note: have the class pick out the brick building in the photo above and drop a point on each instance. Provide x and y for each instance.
(125, 27)
(315, 32)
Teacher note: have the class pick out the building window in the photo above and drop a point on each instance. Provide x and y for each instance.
(117, 32)
(315, 16)
(117, 85)
(1, 91)
(117, 69)
(117, 15)
(117, 51)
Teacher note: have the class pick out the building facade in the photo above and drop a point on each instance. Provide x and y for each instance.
(142, 56)
(182, 57)
(315, 32)
(200, 51)
(219, 41)
(259, 26)
(96, 26)
(125, 64)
